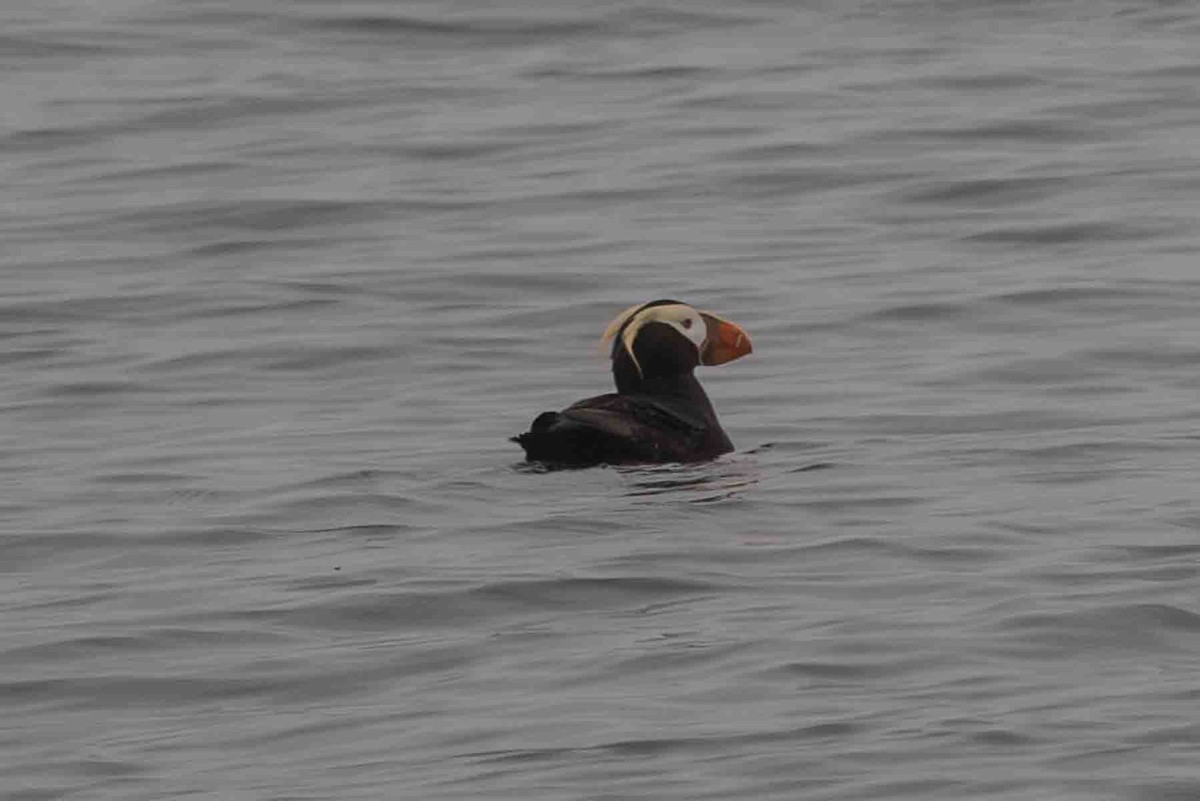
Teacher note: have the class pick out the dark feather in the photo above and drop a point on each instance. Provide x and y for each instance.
(620, 429)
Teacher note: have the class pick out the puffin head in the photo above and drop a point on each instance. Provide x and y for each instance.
(666, 337)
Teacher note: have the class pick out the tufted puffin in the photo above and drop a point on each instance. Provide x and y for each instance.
(659, 412)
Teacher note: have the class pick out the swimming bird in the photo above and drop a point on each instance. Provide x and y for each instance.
(659, 412)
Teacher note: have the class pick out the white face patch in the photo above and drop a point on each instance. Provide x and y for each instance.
(689, 324)
(683, 318)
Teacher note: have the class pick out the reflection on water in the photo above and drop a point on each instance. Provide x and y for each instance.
(706, 482)
(701, 482)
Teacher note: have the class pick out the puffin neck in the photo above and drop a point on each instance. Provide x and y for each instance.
(679, 390)
(631, 380)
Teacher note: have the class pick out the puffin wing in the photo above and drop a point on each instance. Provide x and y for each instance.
(612, 429)
(627, 415)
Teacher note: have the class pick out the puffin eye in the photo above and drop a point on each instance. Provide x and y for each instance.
(687, 322)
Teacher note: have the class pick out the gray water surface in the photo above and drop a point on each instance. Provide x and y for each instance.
(278, 279)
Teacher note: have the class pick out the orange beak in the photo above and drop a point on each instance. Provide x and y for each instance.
(726, 341)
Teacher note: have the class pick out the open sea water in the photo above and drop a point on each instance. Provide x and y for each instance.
(278, 278)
